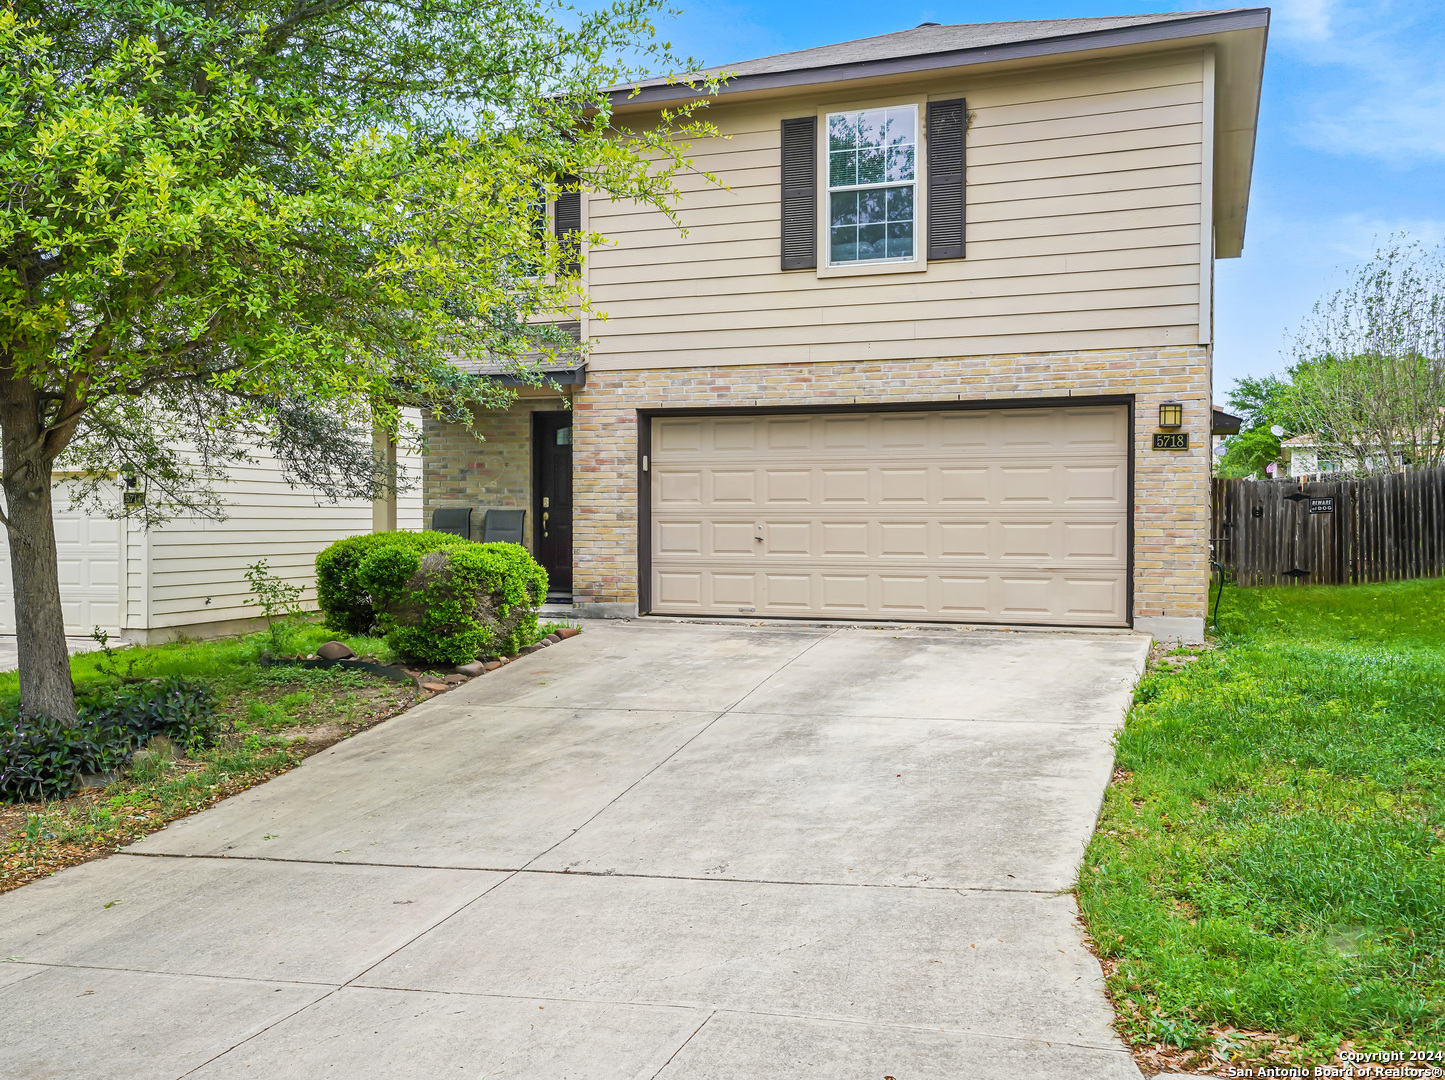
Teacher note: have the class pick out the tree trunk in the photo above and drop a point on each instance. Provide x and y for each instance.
(45, 686)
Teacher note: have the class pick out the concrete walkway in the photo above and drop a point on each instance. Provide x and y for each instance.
(655, 851)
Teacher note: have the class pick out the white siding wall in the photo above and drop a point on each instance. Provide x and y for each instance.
(191, 572)
(90, 556)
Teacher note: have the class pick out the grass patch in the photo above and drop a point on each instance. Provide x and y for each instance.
(274, 717)
(1267, 883)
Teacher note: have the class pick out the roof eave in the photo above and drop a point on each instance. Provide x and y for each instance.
(652, 97)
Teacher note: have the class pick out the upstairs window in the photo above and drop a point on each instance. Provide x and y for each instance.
(872, 185)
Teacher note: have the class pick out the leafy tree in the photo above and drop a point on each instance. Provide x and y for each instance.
(1262, 404)
(273, 222)
(1369, 374)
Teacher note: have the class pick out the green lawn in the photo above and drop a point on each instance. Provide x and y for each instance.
(1269, 869)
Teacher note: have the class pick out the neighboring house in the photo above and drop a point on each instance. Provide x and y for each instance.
(909, 361)
(188, 577)
(1304, 456)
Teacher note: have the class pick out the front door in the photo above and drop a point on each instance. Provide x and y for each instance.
(552, 487)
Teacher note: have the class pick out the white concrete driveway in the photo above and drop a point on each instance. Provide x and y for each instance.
(655, 851)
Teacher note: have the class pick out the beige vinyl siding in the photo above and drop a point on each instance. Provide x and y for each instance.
(1084, 226)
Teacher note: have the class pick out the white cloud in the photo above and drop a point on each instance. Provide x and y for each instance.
(1379, 91)
(1307, 20)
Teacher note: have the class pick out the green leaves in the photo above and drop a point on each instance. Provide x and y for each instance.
(328, 201)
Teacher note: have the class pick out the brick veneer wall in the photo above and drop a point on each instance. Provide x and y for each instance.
(1171, 489)
(486, 466)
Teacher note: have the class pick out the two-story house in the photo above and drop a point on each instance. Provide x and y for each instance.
(939, 348)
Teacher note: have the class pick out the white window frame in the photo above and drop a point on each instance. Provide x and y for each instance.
(918, 263)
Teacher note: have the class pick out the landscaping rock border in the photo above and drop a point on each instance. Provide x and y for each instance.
(430, 680)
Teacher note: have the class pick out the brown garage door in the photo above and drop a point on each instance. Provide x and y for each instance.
(999, 515)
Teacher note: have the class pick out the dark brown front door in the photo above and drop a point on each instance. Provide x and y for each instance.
(552, 487)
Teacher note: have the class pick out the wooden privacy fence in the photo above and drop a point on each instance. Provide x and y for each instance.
(1331, 532)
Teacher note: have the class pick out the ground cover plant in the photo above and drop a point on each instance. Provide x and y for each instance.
(1267, 878)
(260, 721)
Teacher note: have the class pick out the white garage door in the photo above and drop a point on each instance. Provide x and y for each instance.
(88, 561)
(999, 515)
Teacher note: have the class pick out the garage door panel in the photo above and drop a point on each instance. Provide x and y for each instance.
(904, 595)
(679, 588)
(968, 540)
(676, 488)
(792, 434)
(679, 538)
(1094, 541)
(733, 538)
(844, 593)
(789, 592)
(681, 435)
(1090, 597)
(967, 487)
(842, 486)
(1093, 427)
(964, 596)
(734, 434)
(844, 538)
(735, 486)
(966, 430)
(904, 485)
(908, 538)
(1026, 596)
(905, 431)
(1025, 540)
(788, 486)
(735, 590)
(845, 432)
(1003, 515)
(1094, 485)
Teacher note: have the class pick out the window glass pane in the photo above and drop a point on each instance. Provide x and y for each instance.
(842, 131)
(870, 127)
(843, 245)
(900, 127)
(871, 163)
(899, 165)
(842, 168)
(872, 242)
(843, 208)
(900, 240)
(872, 206)
(900, 204)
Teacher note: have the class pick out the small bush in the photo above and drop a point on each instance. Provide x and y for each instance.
(349, 606)
(479, 600)
(42, 758)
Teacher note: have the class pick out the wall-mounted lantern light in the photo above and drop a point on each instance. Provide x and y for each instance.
(1171, 414)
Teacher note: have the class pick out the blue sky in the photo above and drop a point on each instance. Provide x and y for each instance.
(1351, 140)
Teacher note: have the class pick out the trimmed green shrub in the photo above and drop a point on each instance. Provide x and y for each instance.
(42, 758)
(455, 604)
(349, 607)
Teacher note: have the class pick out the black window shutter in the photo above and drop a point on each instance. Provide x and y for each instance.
(947, 121)
(800, 193)
(567, 222)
